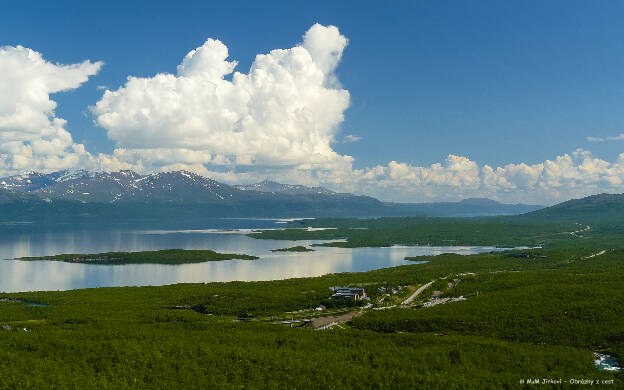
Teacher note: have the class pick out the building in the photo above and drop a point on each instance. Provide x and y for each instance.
(355, 293)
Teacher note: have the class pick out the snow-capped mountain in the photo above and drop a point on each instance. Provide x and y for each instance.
(31, 181)
(290, 189)
(178, 196)
(129, 186)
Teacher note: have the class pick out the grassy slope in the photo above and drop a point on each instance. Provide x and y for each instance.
(167, 256)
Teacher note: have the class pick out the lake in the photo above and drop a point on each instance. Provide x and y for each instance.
(24, 240)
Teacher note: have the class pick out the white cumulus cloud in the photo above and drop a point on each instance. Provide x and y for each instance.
(31, 136)
(571, 175)
(284, 112)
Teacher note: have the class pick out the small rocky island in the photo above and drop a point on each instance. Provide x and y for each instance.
(167, 256)
(298, 248)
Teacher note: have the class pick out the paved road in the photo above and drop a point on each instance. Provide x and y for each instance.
(416, 293)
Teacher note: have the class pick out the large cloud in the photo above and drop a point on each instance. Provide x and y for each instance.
(278, 121)
(31, 136)
(284, 112)
(572, 175)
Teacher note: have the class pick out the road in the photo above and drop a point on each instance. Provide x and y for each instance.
(416, 293)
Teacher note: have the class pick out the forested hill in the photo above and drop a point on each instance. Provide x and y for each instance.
(602, 208)
(472, 207)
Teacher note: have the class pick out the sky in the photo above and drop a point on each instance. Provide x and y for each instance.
(415, 101)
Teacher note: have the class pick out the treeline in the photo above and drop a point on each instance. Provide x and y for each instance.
(119, 354)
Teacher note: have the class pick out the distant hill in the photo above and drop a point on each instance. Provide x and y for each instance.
(472, 207)
(185, 196)
(606, 208)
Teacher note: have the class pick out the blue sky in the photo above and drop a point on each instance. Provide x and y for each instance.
(495, 82)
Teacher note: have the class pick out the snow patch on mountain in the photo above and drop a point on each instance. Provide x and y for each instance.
(291, 189)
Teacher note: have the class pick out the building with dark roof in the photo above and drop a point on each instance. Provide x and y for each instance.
(355, 293)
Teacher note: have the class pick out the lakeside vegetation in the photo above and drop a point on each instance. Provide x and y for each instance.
(166, 256)
(379, 232)
(599, 217)
(297, 248)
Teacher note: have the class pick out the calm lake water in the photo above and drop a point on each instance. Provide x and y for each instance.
(20, 241)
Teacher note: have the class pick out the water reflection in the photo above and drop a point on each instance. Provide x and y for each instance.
(49, 275)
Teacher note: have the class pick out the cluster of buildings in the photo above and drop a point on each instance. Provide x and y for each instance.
(353, 293)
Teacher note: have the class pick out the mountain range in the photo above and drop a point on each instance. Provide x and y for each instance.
(184, 195)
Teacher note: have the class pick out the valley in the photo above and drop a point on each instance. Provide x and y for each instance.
(545, 299)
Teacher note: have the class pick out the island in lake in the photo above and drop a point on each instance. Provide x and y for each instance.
(298, 248)
(167, 256)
